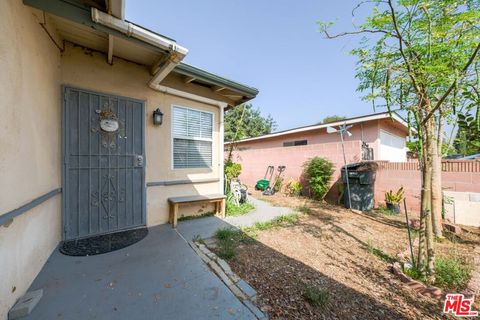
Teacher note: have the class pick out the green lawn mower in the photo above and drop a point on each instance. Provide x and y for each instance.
(263, 184)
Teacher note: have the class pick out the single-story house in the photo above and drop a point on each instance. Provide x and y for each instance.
(100, 124)
(378, 136)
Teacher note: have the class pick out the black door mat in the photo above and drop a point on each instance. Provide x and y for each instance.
(102, 244)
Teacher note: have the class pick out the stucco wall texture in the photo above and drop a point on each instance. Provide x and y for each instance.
(457, 176)
(30, 148)
(82, 68)
(255, 161)
(256, 155)
(33, 72)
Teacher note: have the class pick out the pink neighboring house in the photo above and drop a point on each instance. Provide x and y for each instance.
(378, 136)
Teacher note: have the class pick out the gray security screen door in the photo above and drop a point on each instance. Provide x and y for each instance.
(104, 166)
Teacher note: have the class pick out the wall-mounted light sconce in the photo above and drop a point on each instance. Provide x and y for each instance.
(157, 117)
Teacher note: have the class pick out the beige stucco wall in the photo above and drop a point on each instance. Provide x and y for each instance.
(30, 146)
(33, 71)
(85, 69)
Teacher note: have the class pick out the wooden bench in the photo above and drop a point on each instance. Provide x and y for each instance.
(175, 202)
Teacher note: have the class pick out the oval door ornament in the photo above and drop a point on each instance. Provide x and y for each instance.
(109, 125)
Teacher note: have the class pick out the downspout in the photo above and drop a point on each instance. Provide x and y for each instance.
(176, 52)
(221, 160)
(176, 55)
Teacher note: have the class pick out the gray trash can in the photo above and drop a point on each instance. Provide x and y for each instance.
(361, 178)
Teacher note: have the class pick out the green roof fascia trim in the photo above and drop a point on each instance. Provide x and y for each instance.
(214, 79)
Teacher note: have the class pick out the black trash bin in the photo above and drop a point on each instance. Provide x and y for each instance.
(361, 178)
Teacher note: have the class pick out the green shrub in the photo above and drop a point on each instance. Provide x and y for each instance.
(225, 233)
(264, 225)
(394, 197)
(414, 273)
(228, 239)
(385, 211)
(280, 221)
(232, 210)
(286, 219)
(251, 232)
(316, 297)
(226, 249)
(319, 173)
(232, 170)
(293, 188)
(278, 184)
(452, 272)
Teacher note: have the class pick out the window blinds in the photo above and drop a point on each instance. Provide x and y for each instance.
(192, 138)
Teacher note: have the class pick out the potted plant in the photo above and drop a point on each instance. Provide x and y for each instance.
(393, 199)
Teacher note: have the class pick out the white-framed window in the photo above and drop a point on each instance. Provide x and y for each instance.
(295, 143)
(392, 147)
(192, 138)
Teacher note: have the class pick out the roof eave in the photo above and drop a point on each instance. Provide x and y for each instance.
(80, 13)
(379, 116)
(191, 71)
(77, 11)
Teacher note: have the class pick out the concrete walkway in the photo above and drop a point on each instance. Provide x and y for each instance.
(206, 227)
(160, 277)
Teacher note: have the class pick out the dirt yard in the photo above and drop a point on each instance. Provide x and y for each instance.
(330, 248)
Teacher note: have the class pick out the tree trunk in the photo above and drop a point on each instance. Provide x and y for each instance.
(233, 143)
(421, 232)
(426, 250)
(430, 133)
(421, 259)
(422, 162)
(230, 151)
(436, 191)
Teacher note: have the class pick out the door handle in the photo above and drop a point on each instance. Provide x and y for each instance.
(138, 161)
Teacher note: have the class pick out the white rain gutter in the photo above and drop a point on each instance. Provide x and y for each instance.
(116, 8)
(177, 52)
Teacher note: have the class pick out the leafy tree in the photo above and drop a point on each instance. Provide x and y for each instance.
(232, 170)
(332, 118)
(414, 147)
(419, 56)
(467, 141)
(244, 121)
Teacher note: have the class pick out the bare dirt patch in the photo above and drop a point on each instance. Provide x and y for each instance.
(330, 248)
